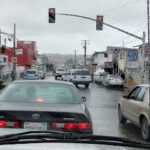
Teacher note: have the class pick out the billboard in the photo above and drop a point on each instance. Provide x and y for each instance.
(132, 58)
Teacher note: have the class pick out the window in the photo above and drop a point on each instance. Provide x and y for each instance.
(40, 92)
(69, 73)
(31, 72)
(141, 94)
(82, 72)
(134, 93)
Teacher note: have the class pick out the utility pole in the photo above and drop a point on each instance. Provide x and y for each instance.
(75, 59)
(148, 21)
(14, 51)
(85, 49)
(143, 59)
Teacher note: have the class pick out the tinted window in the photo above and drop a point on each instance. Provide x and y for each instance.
(40, 92)
(31, 72)
(82, 72)
(141, 94)
(103, 74)
(60, 69)
(134, 93)
(114, 76)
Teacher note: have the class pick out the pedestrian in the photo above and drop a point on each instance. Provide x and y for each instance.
(12, 75)
(122, 75)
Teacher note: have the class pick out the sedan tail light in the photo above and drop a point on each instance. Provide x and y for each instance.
(9, 124)
(75, 77)
(36, 75)
(110, 79)
(71, 126)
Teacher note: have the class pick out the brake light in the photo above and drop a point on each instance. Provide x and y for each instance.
(75, 77)
(110, 79)
(36, 75)
(83, 126)
(25, 74)
(71, 126)
(9, 124)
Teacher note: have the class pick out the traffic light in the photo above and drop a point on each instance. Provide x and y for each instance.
(147, 50)
(3, 48)
(99, 23)
(51, 15)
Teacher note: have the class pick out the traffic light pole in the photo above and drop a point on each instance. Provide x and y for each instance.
(14, 52)
(123, 31)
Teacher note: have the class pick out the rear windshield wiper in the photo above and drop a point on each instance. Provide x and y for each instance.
(66, 137)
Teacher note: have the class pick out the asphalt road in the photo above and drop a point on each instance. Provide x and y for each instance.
(102, 104)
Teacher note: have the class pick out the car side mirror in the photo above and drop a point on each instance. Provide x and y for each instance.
(125, 96)
(83, 98)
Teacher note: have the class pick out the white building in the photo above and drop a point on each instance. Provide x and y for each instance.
(100, 58)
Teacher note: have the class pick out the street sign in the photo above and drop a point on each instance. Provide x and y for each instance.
(14, 59)
(19, 51)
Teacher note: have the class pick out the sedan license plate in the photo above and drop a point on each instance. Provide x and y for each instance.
(36, 126)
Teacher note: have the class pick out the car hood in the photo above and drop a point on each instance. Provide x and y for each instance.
(60, 146)
(74, 108)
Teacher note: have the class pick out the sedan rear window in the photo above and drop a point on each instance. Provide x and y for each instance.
(40, 93)
(82, 72)
(31, 72)
(61, 70)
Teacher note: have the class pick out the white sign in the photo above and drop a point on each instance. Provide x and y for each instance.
(14, 59)
(19, 51)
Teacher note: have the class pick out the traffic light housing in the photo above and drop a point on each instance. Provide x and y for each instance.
(51, 15)
(3, 48)
(99, 23)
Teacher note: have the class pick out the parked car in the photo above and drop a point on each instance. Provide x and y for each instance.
(59, 72)
(42, 74)
(101, 77)
(44, 105)
(112, 80)
(81, 76)
(31, 74)
(136, 107)
(96, 75)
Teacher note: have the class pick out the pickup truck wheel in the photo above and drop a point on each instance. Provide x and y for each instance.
(145, 129)
(87, 85)
(122, 119)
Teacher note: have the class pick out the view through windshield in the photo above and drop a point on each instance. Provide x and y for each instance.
(75, 66)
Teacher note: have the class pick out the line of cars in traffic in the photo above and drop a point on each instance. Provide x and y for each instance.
(76, 76)
(104, 78)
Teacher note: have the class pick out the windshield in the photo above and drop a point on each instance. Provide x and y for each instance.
(75, 63)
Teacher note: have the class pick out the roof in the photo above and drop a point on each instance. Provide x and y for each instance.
(146, 85)
(44, 81)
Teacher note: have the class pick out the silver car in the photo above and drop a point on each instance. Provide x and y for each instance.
(135, 108)
(113, 80)
(31, 74)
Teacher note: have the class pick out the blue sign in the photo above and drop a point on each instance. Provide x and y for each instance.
(132, 55)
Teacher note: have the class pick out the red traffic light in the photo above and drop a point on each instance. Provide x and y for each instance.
(147, 49)
(100, 18)
(51, 11)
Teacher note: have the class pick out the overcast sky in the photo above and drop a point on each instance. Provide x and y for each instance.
(31, 17)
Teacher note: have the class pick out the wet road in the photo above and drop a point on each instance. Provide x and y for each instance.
(102, 104)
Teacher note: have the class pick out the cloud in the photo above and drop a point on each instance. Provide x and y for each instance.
(31, 17)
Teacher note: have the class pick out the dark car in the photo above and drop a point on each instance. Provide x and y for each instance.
(44, 105)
